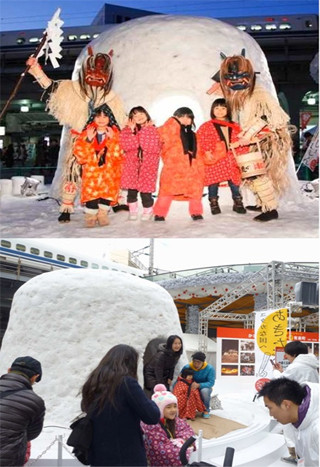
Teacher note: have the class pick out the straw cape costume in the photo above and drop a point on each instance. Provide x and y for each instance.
(259, 115)
(71, 102)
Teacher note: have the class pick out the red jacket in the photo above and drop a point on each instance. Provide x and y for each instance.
(140, 173)
(226, 168)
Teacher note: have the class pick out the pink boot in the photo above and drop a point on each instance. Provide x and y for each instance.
(147, 214)
(133, 211)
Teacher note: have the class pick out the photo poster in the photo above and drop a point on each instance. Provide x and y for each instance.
(235, 353)
(270, 333)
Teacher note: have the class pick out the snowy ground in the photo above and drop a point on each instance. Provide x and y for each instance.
(28, 216)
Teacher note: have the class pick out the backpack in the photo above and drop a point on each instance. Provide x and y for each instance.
(80, 437)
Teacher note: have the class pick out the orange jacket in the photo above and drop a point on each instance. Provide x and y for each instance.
(99, 181)
(178, 178)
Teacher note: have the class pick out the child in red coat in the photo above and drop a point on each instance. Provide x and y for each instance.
(189, 399)
(140, 141)
(214, 139)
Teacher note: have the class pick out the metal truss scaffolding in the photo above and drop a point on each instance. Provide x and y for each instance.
(274, 274)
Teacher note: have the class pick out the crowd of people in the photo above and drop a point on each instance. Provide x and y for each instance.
(135, 426)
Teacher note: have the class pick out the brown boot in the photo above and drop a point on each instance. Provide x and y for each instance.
(90, 219)
(103, 218)
(214, 205)
(238, 205)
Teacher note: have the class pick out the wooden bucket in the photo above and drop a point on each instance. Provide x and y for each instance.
(251, 164)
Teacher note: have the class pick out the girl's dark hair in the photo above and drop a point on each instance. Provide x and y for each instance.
(171, 424)
(106, 110)
(184, 112)
(221, 103)
(296, 348)
(137, 109)
(104, 381)
(187, 372)
(171, 340)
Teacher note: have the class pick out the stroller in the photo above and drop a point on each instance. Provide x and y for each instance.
(228, 457)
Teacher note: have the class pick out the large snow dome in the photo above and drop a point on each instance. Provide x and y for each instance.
(163, 62)
(69, 319)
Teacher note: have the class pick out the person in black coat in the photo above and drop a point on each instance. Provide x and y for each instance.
(21, 410)
(116, 404)
(159, 367)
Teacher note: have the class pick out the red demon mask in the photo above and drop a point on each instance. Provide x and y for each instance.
(98, 69)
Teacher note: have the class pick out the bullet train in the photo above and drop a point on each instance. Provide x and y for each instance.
(39, 254)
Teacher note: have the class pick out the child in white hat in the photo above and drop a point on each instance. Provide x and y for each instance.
(164, 440)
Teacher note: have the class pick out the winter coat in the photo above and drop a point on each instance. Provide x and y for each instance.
(306, 436)
(140, 169)
(178, 178)
(189, 400)
(117, 435)
(160, 368)
(22, 415)
(226, 168)
(99, 181)
(206, 376)
(162, 451)
(303, 368)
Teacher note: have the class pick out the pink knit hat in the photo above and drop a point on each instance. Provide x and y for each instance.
(162, 397)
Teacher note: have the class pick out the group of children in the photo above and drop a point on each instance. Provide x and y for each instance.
(128, 159)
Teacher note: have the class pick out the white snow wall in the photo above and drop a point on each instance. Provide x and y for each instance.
(69, 319)
(163, 62)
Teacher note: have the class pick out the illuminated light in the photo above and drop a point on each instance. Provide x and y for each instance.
(285, 26)
(24, 108)
(311, 101)
(21, 40)
(271, 27)
(256, 27)
(95, 36)
(2, 130)
(72, 37)
(308, 24)
(34, 39)
(84, 36)
(242, 27)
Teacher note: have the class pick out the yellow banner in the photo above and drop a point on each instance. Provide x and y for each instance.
(272, 332)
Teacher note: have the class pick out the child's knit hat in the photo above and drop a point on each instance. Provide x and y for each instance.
(162, 397)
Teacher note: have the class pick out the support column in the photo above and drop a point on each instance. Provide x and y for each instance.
(192, 319)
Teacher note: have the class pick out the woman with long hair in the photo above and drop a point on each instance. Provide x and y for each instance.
(117, 404)
(158, 368)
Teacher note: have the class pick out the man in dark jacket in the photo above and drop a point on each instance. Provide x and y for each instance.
(21, 410)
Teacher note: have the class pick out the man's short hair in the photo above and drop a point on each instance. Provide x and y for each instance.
(279, 389)
(296, 348)
(199, 356)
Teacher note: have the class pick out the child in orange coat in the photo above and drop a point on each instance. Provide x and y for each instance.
(97, 150)
(182, 174)
(189, 399)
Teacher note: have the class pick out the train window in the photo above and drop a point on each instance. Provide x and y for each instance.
(256, 27)
(94, 266)
(72, 261)
(5, 243)
(72, 37)
(84, 263)
(285, 26)
(20, 247)
(34, 251)
(21, 40)
(47, 254)
(242, 27)
(61, 257)
(84, 37)
(105, 267)
(34, 39)
(271, 27)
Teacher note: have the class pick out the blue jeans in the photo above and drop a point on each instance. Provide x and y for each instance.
(205, 394)
(213, 189)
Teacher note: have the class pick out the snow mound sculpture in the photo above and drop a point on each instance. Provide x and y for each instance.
(69, 319)
(164, 62)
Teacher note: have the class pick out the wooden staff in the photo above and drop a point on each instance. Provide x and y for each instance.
(17, 86)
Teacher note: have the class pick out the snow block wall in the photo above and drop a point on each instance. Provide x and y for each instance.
(69, 319)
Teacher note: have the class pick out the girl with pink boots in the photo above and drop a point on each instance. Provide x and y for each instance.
(141, 143)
